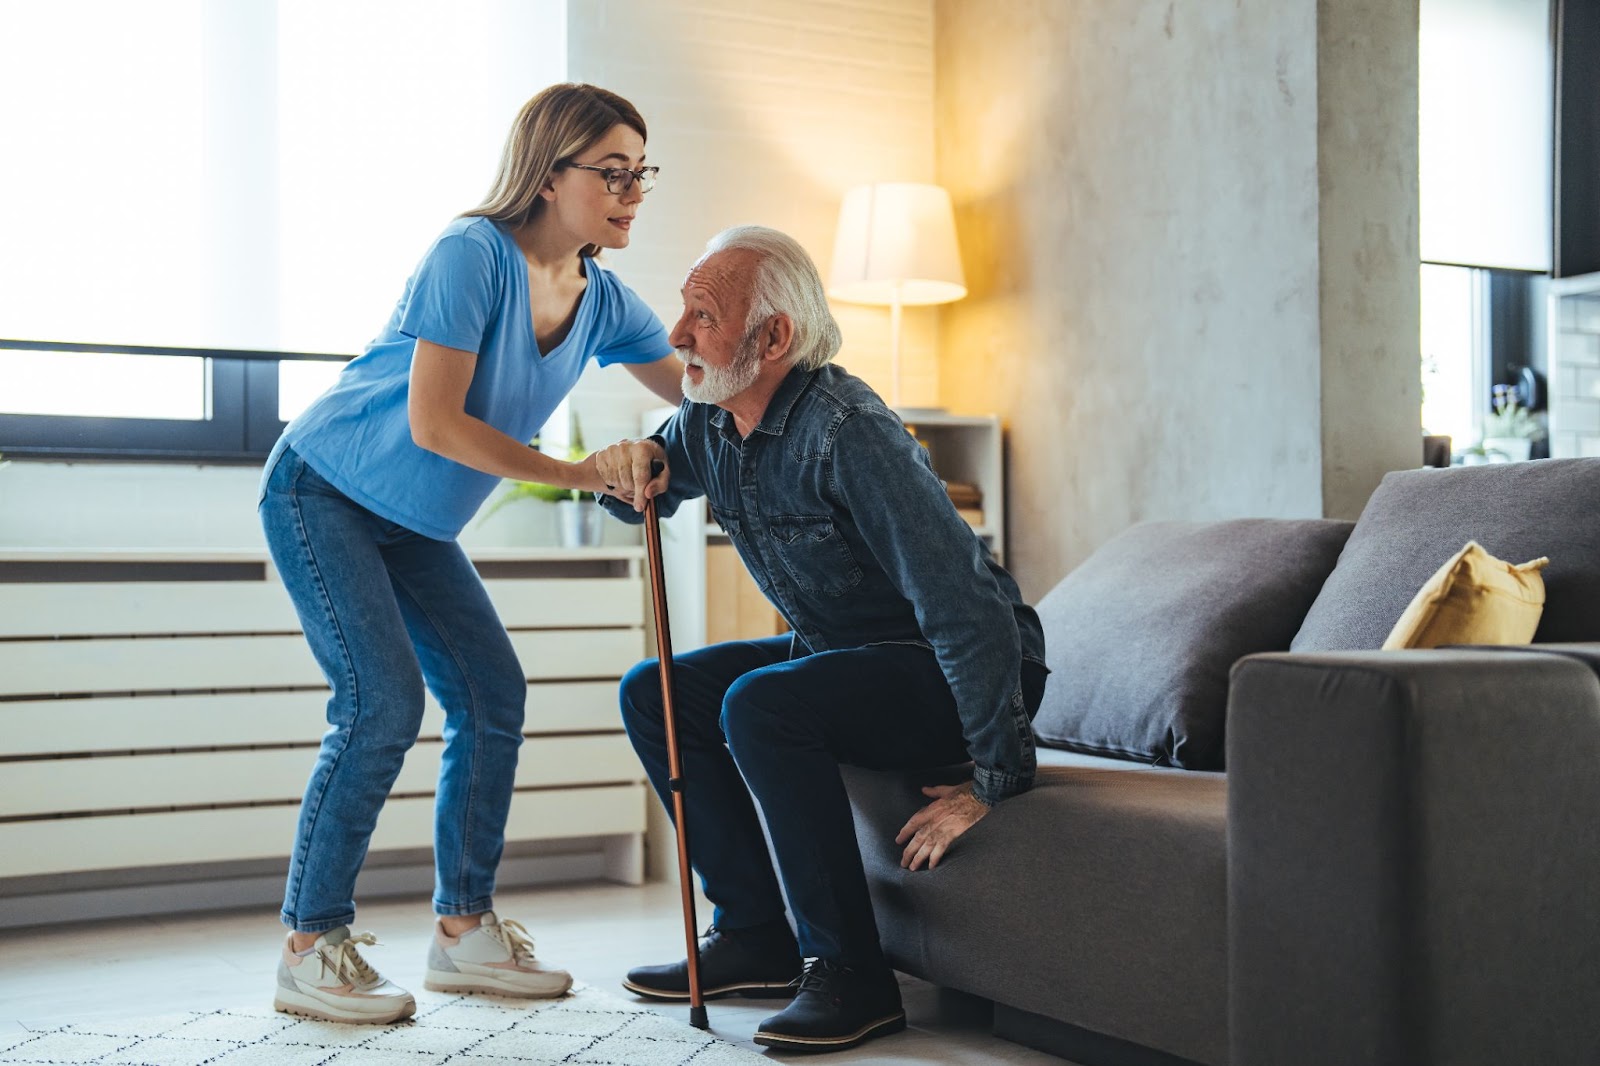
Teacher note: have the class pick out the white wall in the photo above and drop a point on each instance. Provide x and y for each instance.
(759, 111)
(764, 112)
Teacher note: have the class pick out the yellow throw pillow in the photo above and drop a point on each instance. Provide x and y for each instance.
(1473, 599)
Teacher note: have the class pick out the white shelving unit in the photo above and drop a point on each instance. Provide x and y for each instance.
(971, 449)
(966, 448)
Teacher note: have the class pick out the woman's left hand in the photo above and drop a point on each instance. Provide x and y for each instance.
(932, 830)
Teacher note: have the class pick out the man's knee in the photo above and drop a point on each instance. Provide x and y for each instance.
(757, 712)
(640, 697)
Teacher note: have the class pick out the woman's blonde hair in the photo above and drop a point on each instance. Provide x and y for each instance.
(552, 128)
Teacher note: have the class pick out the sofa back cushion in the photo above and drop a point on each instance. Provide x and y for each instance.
(1140, 637)
(1418, 518)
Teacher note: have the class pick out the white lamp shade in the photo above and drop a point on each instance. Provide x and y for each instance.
(896, 240)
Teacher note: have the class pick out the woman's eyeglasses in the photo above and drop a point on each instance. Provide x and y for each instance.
(620, 179)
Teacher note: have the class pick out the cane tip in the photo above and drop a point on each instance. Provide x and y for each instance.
(697, 1018)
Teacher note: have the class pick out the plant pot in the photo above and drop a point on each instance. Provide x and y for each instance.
(582, 523)
(1515, 449)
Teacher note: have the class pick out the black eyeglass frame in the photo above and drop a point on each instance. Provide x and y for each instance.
(614, 174)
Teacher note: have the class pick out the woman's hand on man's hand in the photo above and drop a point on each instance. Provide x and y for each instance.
(624, 471)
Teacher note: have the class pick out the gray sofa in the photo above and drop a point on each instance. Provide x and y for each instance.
(1400, 863)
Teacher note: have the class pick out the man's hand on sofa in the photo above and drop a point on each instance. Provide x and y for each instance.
(932, 830)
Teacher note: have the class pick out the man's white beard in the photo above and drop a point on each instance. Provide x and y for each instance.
(719, 383)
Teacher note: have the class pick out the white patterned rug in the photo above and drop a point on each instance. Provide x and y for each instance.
(586, 1028)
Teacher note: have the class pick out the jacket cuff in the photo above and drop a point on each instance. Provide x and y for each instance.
(992, 786)
(617, 509)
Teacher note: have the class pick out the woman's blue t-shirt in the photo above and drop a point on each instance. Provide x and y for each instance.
(469, 292)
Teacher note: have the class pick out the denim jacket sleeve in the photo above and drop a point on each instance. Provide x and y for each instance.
(683, 484)
(883, 477)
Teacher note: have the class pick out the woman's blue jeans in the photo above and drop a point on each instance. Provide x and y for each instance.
(386, 610)
(748, 715)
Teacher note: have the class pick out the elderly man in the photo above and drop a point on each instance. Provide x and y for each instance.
(911, 647)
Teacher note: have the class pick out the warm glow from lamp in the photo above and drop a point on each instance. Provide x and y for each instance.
(896, 245)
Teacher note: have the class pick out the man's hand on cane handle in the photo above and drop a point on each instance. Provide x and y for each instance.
(633, 471)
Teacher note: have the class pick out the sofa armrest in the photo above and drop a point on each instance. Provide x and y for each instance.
(1413, 859)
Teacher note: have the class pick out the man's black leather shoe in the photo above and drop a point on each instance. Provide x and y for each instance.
(762, 962)
(834, 1008)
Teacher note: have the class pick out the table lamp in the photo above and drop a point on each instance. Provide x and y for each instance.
(896, 245)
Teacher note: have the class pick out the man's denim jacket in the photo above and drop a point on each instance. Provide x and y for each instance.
(839, 517)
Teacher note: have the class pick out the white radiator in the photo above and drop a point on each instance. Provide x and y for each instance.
(161, 708)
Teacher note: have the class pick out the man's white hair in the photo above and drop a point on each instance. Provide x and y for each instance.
(786, 282)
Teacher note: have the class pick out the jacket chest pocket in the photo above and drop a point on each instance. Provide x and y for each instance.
(815, 555)
(732, 523)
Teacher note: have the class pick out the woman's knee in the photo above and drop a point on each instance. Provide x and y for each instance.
(386, 716)
(505, 693)
(373, 747)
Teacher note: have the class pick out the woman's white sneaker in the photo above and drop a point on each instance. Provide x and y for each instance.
(335, 984)
(495, 957)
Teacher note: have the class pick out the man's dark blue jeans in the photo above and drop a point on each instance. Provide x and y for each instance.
(746, 708)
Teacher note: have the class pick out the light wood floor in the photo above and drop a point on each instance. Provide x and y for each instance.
(54, 975)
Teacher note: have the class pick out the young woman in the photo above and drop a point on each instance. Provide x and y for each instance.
(362, 500)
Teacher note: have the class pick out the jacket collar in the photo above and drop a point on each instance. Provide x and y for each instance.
(776, 415)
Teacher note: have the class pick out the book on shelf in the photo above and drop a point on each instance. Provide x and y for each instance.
(963, 494)
(973, 515)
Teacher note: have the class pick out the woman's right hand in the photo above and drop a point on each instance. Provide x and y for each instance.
(624, 469)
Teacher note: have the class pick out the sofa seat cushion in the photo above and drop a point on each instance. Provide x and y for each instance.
(1099, 898)
(1416, 518)
(1141, 636)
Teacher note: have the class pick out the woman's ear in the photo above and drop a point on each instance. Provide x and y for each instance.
(547, 191)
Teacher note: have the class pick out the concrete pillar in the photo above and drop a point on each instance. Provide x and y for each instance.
(1190, 237)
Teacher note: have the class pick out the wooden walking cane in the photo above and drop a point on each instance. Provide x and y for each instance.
(658, 595)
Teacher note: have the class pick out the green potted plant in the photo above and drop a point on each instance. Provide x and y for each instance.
(580, 519)
(1510, 429)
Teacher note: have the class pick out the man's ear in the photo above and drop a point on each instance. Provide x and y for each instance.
(777, 335)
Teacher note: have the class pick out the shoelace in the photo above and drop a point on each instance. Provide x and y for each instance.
(514, 936)
(346, 962)
(818, 976)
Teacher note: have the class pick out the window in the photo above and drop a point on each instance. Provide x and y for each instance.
(94, 401)
(90, 384)
(1454, 364)
(1486, 135)
(1484, 78)
(1479, 328)
(210, 185)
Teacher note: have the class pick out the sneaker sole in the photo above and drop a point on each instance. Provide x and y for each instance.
(747, 989)
(303, 1006)
(881, 1027)
(439, 981)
